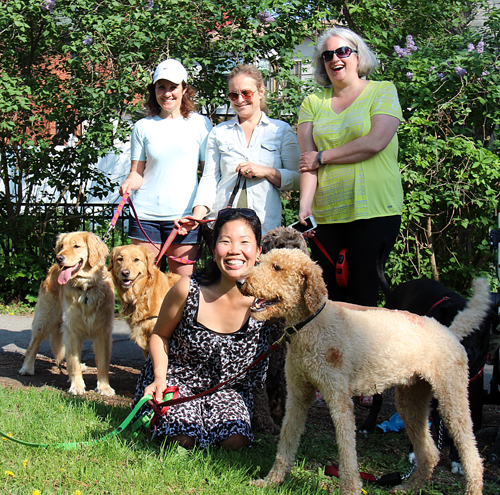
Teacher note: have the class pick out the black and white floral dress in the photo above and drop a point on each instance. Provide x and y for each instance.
(199, 359)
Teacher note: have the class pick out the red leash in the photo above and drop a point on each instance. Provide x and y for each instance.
(181, 400)
(126, 198)
(391, 479)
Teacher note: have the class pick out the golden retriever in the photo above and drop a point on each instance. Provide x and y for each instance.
(346, 351)
(141, 287)
(75, 303)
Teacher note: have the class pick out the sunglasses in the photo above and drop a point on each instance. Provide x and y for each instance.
(247, 212)
(246, 94)
(342, 52)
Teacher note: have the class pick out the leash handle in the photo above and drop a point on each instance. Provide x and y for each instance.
(116, 216)
(119, 209)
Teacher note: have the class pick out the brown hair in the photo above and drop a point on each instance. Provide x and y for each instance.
(187, 104)
(251, 71)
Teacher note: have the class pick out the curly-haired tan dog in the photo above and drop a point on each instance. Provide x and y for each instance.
(141, 287)
(75, 303)
(347, 352)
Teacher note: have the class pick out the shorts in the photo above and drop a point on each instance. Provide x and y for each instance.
(158, 232)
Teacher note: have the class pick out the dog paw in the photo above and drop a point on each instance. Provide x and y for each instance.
(76, 389)
(456, 468)
(261, 483)
(83, 366)
(27, 370)
(398, 489)
(105, 390)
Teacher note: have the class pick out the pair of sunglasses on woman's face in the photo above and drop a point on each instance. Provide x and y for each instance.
(342, 52)
(246, 94)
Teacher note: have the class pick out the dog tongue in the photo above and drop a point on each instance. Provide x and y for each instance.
(66, 274)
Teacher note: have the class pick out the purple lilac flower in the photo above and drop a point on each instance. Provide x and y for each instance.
(432, 69)
(150, 5)
(480, 47)
(470, 47)
(460, 72)
(410, 44)
(49, 5)
(88, 40)
(486, 73)
(409, 75)
(409, 48)
(440, 75)
(265, 17)
(400, 52)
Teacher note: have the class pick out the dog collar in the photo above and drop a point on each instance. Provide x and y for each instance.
(294, 329)
(86, 297)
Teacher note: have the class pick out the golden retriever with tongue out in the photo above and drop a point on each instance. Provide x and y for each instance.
(75, 303)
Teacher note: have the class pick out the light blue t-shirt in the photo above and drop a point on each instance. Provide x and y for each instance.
(172, 150)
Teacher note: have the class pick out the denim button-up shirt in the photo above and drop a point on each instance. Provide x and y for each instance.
(273, 144)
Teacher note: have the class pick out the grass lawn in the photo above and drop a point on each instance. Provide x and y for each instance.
(133, 465)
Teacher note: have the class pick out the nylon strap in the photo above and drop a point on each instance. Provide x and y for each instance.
(75, 445)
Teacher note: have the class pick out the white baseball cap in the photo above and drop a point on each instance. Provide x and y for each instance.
(171, 70)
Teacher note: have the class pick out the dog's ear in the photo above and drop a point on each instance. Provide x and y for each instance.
(112, 259)
(315, 292)
(59, 242)
(97, 249)
(150, 261)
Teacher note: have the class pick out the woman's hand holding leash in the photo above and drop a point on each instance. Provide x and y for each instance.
(185, 225)
(156, 389)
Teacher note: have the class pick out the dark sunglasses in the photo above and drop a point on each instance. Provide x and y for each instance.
(246, 94)
(247, 212)
(342, 52)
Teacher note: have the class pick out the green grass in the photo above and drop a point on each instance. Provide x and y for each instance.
(18, 309)
(127, 465)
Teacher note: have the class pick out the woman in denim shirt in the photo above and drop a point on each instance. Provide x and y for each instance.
(265, 150)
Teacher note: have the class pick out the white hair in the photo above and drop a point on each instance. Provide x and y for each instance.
(367, 59)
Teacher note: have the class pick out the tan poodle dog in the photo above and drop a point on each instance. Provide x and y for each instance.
(75, 303)
(141, 287)
(347, 352)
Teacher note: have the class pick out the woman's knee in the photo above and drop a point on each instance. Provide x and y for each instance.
(183, 440)
(235, 442)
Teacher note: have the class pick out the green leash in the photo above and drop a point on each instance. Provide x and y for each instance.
(142, 421)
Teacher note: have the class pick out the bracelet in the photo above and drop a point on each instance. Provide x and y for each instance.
(318, 158)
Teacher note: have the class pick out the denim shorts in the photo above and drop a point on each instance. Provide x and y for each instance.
(158, 232)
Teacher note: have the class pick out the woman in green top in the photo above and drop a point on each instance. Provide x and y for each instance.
(350, 180)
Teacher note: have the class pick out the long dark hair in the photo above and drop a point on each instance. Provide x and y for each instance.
(187, 104)
(210, 274)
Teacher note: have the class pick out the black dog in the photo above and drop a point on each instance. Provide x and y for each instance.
(427, 297)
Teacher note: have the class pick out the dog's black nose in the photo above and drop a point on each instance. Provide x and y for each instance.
(60, 259)
(125, 273)
(241, 282)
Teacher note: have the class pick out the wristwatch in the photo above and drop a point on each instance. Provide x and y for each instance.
(319, 158)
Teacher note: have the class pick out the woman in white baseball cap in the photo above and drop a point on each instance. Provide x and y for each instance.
(167, 148)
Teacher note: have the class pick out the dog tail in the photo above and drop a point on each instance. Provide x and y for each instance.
(475, 312)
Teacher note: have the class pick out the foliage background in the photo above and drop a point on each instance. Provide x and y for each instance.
(84, 64)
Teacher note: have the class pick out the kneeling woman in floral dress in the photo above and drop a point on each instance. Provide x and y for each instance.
(204, 336)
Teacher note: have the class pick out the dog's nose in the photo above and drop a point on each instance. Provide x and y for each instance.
(241, 282)
(125, 273)
(60, 259)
